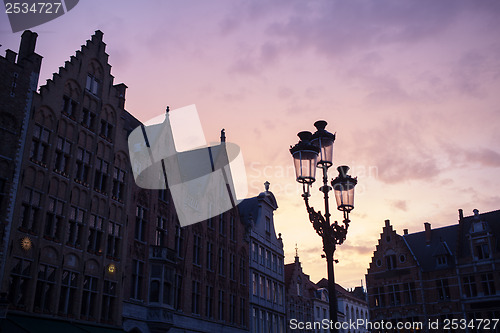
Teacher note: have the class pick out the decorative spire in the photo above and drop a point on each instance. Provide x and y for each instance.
(296, 250)
(266, 186)
(223, 135)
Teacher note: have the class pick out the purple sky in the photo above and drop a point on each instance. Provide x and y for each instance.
(412, 89)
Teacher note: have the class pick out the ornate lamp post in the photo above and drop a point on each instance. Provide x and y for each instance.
(316, 150)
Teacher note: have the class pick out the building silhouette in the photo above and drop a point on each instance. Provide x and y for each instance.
(266, 269)
(437, 274)
(83, 248)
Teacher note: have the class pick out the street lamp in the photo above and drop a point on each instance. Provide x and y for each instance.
(316, 150)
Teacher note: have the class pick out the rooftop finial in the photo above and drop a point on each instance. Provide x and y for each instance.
(223, 135)
(168, 109)
(266, 185)
(296, 250)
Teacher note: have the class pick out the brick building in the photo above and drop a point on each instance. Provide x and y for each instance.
(18, 83)
(83, 247)
(65, 249)
(437, 274)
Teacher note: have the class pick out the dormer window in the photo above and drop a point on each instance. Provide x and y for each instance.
(442, 260)
(481, 249)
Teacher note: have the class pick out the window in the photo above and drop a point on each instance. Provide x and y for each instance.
(232, 312)
(268, 258)
(88, 119)
(255, 288)
(209, 302)
(482, 249)
(441, 260)
(255, 253)
(89, 296)
(221, 305)
(231, 266)
(391, 262)
(394, 295)
(118, 190)
(261, 255)
(222, 224)
(140, 223)
(275, 292)
(179, 240)
(163, 196)
(106, 130)
(69, 107)
(178, 292)
(232, 228)
(69, 284)
(114, 240)
(195, 298)
(54, 219)
(161, 231)
(280, 266)
(30, 209)
(63, 151)
(45, 288)
(443, 289)
(409, 293)
(19, 281)
(488, 284)
(210, 255)
(379, 297)
(222, 261)
(101, 176)
(268, 225)
(137, 276)
(75, 229)
(243, 312)
(470, 288)
(275, 263)
(92, 84)
(262, 286)
(281, 295)
(299, 286)
(160, 289)
(95, 234)
(108, 300)
(40, 144)
(82, 165)
(243, 273)
(268, 289)
(196, 249)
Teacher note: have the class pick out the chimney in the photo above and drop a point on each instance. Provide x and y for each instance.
(460, 215)
(387, 223)
(27, 47)
(10, 56)
(427, 226)
(405, 231)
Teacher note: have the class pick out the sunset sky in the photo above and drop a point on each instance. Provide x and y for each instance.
(412, 89)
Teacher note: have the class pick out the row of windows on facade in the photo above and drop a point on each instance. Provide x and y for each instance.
(141, 222)
(442, 286)
(59, 291)
(268, 322)
(166, 287)
(266, 258)
(480, 248)
(76, 231)
(267, 289)
(39, 154)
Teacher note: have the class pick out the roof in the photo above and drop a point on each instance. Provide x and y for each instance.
(443, 241)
